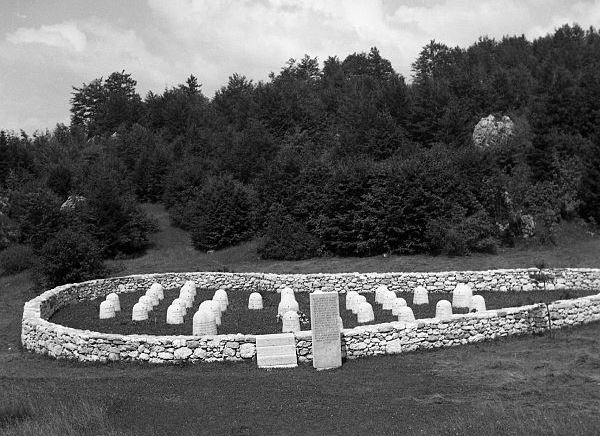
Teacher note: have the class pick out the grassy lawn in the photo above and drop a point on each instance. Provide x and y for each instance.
(546, 384)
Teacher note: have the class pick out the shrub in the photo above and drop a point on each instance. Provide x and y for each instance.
(70, 256)
(286, 239)
(15, 259)
(221, 214)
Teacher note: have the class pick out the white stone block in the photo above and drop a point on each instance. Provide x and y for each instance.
(214, 307)
(405, 314)
(420, 296)
(158, 288)
(359, 300)
(191, 286)
(174, 314)
(461, 296)
(397, 304)
(291, 322)
(114, 299)
(287, 304)
(380, 291)
(204, 323)
(365, 313)
(287, 292)
(221, 297)
(147, 301)
(153, 297)
(388, 300)
(139, 312)
(255, 301)
(350, 296)
(443, 309)
(107, 310)
(477, 303)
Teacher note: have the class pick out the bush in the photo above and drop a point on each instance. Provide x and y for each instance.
(15, 259)
(221, 215)
(459, 235)
(70, 256)
(286, 238)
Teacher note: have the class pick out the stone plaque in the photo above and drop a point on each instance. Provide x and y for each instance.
(324, 320)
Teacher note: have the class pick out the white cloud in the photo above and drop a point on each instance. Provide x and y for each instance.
(65, 35)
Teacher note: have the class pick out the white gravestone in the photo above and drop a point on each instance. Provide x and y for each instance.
(146, 301)
(405, 314)
(255, 301)
(443, 309)
(221, 298)
(174, 314)
(380, 292)
(388, 300)
(107, 310)
(191, 286)
(326, 338)
(420, 296)
(397, 304)
(286, 305)
(182, 304)
(158, 288)
(204, 323)
(287, 292)
(214, 307)
(153, 297)
(477, 304)
(291, 322)
(276, 351)
(139, 312)
(359, 300)
(461, 296)
(350, 296)
(365, 313)
(114, 299)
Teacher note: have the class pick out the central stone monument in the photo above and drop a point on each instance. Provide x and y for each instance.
(326, 339)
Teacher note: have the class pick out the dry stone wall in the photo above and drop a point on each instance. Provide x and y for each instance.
(42, 336)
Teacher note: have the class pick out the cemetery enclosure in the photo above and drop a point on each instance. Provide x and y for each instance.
(42, 336)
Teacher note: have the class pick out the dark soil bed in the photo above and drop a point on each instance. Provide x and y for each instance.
(238, 319)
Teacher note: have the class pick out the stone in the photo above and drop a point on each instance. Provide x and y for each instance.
(276, 351)
(397, 304)
(477, 304)
(365, 313)
(182, 353)
(189, 284)
(139, 312)
(204, 323)
(461, 296)
(221, 297)
(405, 314)
(114, 299)
(174, 314)
(159, 290)
(420, 296)
(291, 322)
(350, 299)
(72, 202)
(153, 297)
(326, 338)
(255, 301)
(147, 301)
(185, 295)
(388, 300)
(213, 306)
(340, 323)
(287, 304)
(443, 309)
(359, 300)
(107, 310)
(380, 292)
(182, 304)
(247, 351)
(287, 292)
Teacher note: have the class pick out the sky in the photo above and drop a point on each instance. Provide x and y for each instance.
(49, 46)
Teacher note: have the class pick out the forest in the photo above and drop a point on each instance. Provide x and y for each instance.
(334, 157)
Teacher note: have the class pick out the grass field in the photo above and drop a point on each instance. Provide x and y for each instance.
(533, 385)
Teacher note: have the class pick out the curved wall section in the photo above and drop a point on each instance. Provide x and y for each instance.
(41, 336)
